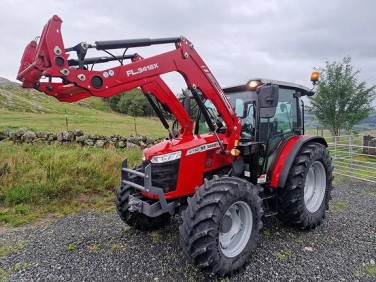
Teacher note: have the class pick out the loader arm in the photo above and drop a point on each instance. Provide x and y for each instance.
(163, 93)
(49, 58)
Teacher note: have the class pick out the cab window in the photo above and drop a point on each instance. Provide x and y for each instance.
(285, 118)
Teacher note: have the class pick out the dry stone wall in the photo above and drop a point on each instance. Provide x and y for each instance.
(24, 135)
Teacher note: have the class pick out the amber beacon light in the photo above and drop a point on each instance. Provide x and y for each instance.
(315, 77)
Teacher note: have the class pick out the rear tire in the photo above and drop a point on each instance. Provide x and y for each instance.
(135, 219)
(221, 225)
(305, 198)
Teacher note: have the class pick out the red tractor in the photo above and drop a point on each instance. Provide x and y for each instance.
(241, 155)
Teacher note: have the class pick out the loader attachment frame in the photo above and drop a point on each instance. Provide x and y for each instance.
(50, 59)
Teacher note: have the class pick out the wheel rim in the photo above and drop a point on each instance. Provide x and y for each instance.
(239, 221)
(315, 186)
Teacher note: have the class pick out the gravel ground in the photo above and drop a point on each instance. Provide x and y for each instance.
(99, 247)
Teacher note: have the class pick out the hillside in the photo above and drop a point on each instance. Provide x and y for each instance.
(371, 119)
(29, 108)
(15, 98)
(368, 123)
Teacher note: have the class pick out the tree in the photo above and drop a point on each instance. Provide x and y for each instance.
(113, 102)
(136, 109)
(341, 100)
(121, 103)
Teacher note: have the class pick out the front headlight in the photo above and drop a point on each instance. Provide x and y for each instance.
(166, 157)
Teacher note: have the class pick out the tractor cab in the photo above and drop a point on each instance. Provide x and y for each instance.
(284, 117)
(271, 111)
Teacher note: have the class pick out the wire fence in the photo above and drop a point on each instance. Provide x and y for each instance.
(354, 156)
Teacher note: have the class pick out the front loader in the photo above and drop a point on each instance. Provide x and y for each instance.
(238, 156)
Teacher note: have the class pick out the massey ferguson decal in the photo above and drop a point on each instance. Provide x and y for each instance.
(143, 69)
(203, 148)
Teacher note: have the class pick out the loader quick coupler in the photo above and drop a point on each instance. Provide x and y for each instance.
(142, 204)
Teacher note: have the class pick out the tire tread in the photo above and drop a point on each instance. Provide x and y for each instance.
(200, 228)
(291, 207)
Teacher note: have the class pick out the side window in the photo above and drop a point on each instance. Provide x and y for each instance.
(285, 117)
(244, 110)
(239, 107)
(250, 114)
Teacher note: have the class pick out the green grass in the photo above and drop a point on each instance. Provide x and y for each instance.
(35, 102)
(371, 270)
(71, 247)
(39, 112)
(36, 181)
(21, 265)
(94, 247)
(15, 98)
(156, 237)
(60, 180)
(89, 120)
(117, 246)
(282, 255)
(3, 275)
(11, 248)
(340, 206)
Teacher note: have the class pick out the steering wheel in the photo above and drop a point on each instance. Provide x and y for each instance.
(246, 130)
(247, 127)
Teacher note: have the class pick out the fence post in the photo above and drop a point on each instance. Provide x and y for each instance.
(335, 146)
(351, 153)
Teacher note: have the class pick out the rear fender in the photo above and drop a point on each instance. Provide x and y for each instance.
(285, 157)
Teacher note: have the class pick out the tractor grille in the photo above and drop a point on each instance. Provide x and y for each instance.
(164, 175)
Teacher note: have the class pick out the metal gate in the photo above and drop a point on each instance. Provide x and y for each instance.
(353, 157)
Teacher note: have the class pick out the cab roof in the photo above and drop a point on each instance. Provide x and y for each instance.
(284, 84)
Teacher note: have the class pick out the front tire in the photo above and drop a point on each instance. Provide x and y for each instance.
(135, 219)
(305, 198)
(221, 225)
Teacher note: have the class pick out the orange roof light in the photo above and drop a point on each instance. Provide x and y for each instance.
(315, 77)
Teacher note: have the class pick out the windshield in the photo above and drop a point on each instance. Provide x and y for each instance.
(243, 103)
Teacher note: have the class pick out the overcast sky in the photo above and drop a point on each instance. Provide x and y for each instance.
(238, 40)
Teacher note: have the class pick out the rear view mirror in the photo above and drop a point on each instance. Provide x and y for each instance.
(246, 108)
(268, 99)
